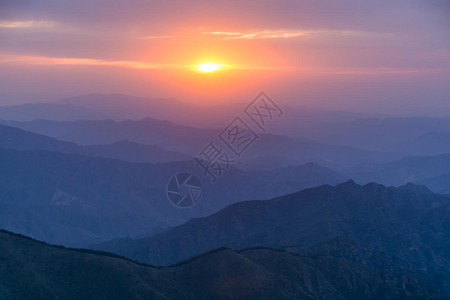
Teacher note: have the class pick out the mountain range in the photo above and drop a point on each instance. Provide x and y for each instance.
(279, 224)
(410, 222)
(77, 200)
(30, 269)
(430, 171)
(409, 135)
(267, 152)
(121, 107)
(17, 139)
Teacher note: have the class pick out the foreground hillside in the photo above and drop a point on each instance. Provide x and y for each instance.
(33, 270)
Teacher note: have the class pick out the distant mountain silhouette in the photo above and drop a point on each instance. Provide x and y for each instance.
(34, 270)
(412, 135)
(146, 131)
(410, 222)
(50, 111)
(439, 184)
(99, 106)
(272, 151)
(79, 200)
(134, 152)
(268, 152)
(430, 143)
(425, 170)
(408, 135)
(14, 138)
(121, 107)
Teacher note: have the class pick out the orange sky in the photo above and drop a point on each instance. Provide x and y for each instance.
(295, 50)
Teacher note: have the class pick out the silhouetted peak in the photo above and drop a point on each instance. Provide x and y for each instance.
(348, 184)
(415, 188)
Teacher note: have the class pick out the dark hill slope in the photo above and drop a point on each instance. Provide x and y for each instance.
(33, 270)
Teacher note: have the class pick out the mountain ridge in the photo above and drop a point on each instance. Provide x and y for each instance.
(49, 272)
(57, 197)
(18, 139)
(379, 216)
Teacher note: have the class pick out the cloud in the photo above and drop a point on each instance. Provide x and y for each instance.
(331, 14)
(129, 64)
(27, 24)
(43, 60)
(73, 61)
(276, 34)
(383, 71)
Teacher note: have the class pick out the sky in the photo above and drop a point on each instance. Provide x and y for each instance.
(384, 56)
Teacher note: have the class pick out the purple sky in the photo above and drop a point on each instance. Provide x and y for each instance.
(380, 56)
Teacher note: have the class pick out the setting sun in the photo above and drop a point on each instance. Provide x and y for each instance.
(208, 67)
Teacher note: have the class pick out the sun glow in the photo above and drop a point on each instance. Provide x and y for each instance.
(208, 67)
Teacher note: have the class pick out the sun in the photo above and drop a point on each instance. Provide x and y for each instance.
(208, 67)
